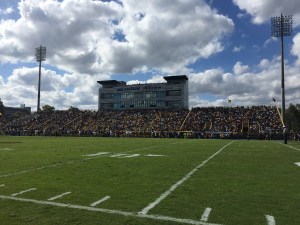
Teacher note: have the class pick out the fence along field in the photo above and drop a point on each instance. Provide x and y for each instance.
(148, 181)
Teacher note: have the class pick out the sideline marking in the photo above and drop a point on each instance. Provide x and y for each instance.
(118, 155)
(100, 201)
(39, 168)
(6, 149)
(59, 196)
(270, 220)
(130, 156)
(297, 149)
(205, 214)
(178, 183)
(99, 153)
(2, 185)
(297, 163)
(109, 211)
(21, 192)
(153, 155)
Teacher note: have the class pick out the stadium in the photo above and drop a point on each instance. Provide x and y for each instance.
(139, 111)
(149, 112)
(168, 165)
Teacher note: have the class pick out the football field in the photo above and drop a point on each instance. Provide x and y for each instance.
(146, 181)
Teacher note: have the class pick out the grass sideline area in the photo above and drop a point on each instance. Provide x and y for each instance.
(148, 181)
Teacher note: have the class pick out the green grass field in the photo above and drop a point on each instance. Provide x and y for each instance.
(49, 181)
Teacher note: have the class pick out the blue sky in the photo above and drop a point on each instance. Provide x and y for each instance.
(224, 47)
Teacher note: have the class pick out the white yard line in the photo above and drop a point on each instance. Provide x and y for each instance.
(118, 155)
(21, 192)
(2, 185)
(6, 149)
(59, 196)
(130, 156)
(109, 211)
(39, 168)
(297, 149)
(178, 183)
(97, 154)
(205, 214)
(270, 220)
(100, 201)
(297, 163)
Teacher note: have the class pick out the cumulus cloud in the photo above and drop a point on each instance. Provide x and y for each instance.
(262, 11)
(296, 47)
(6, 11)
(21, 87)
(241, 15)
(92, 40)
(96, 36)
(251, 86)
(239, 68)
(268, 41)
(238, 48)
(152, 80)
(71, 30)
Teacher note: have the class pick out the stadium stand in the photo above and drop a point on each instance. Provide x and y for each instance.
(259, 122)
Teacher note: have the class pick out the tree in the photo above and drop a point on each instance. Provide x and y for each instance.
(48, 108)
(17, 114)
(2, 108)
(293, 117)
(74, 109)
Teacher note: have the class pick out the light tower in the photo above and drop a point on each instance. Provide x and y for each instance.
(280, 27)
(40, 55)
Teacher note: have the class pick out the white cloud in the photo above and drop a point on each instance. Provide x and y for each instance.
(91, 40)
(239, 68)
(296, 47)
(238, 48)
(241, 15)
(107, 37)
(60, 91)
(151, 80)
(6, 11)
(264, 64)
(262, 11)
(71, 31)
(255, 86)
(268, 41)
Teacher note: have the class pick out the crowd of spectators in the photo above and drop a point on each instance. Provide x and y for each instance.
(205, 122)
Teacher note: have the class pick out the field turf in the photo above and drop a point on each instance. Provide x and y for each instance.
(140, 181)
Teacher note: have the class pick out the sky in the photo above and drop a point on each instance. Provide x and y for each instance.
(225, 48)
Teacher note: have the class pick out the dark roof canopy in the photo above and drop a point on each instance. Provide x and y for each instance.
(179, 77)
(104, 82)
(167, 78)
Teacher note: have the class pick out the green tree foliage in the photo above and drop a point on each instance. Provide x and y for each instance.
(74, 109)
(17, 114)
(48, 108)
(2, 108)
(293, 117)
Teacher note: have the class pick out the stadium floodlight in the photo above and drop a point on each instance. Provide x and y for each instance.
(40, 54)
(280, 27)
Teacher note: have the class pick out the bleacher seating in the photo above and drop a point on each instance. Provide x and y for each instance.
(200, 122)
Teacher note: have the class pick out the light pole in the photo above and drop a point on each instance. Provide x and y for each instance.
(40, 55)
(282, 26)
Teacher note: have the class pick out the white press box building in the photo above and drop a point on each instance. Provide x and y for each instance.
(173, 94)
